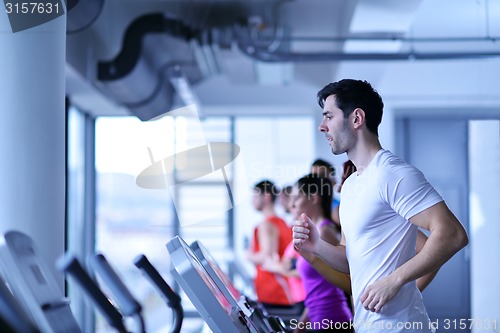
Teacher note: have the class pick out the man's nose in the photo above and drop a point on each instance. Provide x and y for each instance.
(322, 127)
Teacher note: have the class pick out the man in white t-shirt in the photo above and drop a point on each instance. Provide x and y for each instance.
(383, 204)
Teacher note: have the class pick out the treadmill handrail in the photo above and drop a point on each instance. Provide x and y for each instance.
(124, 299)
(70, 264)
(171, 298)
(128, 305)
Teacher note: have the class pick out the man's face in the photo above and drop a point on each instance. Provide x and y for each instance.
(258, 200)
(285, 201)
(337, 130)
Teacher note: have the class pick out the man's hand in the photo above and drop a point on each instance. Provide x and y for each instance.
(305, 234)
(379, 293)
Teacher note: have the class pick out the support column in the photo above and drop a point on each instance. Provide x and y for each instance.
(32, 134)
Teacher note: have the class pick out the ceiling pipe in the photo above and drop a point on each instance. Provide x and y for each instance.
(380, 37)
(247, 45)
(265, 56)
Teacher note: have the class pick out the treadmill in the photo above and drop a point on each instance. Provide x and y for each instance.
(33, 285)
(254, 310)
(212, 304)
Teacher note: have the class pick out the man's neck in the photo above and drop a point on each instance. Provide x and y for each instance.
(268, 211)
(364, 152)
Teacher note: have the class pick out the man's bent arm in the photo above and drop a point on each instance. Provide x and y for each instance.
(447, 238)
(341, 280)
(333, 255)
(268, 240)
(423, 281)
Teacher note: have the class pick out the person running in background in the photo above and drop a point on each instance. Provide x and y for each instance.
(327, 306)
(270, 238)
(284, 199)
(324, 169)
(348, 169)
(286, 266)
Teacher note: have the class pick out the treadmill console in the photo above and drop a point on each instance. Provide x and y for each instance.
(214, 307)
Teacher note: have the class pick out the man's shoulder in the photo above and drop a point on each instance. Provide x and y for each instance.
(390, 160)
(275, 219)
(271, 222)
(265, 227)
(391, 165)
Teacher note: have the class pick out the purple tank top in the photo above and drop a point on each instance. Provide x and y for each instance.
(323, 299)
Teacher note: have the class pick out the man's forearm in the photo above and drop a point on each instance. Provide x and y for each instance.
(258, 258)
(438, 249)
(333, 255)
(341, 280)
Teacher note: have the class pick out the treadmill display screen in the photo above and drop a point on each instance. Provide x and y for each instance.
(220, 273)
(206, 277)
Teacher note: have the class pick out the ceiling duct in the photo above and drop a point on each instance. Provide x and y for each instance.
(205, 50)
(132, 80)
(81, 14)
(129, 55)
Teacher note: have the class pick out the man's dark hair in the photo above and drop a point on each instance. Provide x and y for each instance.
(351, 94)
(322, 163)
(267, 187)
(313, 184)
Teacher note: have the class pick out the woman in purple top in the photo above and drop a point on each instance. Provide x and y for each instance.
(327, 308)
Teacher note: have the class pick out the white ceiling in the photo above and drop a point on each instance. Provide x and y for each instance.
(243, 81)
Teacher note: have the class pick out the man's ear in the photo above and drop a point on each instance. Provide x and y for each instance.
(358, 118)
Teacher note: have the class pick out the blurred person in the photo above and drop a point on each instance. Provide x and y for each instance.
(285, 197)
(326, 305)
(324, 169)
(348, 169)
(286, 265)
(270, 238)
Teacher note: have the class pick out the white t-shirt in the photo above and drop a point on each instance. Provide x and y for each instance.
(376, 206)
